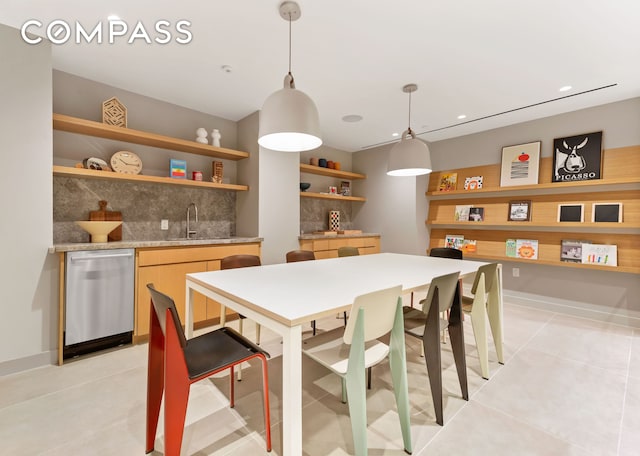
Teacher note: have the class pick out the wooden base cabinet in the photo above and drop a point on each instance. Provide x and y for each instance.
(328, 248)
(166, 268)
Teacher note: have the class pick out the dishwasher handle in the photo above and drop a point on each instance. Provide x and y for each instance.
(99, 257)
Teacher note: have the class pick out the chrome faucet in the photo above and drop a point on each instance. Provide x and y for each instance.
(191, 232)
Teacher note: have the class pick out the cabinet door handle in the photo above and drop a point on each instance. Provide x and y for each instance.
(100, 257)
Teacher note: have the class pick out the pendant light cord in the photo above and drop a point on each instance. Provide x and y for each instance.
(293, 85)
(409, 129)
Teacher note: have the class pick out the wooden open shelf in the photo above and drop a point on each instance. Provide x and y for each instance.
(331, 197)
(90, 128)
(304, 168)
(94, 174)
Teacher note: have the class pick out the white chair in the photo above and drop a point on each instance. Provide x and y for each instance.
(486, 304)
(348, 353)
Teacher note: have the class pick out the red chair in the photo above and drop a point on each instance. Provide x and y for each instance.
(175, 363)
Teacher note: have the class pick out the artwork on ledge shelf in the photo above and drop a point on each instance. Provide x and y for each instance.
(469, 246)
(473, 183)
(476, 214)
(178, 169)
(571, 251)
(520, 164)
(606, 212)
(448, 182)
(527, 249)
(570, 212)
(345, 188)
(453, 241)
(462, 213)
(577, 158)
(520, 211)
(600, 254)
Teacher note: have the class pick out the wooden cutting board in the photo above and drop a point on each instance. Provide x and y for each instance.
(103, 215)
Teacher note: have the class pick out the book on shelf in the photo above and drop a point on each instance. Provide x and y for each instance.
(473, 183)
(476, 214)
(462, 213)
(469, 246)
(453, 241)
(527, 249)
(510, 248)
(600, 254)
(571, 250)
(448, 182)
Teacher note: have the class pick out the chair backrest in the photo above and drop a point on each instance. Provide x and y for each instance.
(489, 270)
(379, 313)
(161, 302)
(348, 251)
(239, 261)
(300, 255)
(446, 252)
(446, 285)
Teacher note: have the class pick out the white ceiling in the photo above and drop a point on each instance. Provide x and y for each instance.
(477, 58)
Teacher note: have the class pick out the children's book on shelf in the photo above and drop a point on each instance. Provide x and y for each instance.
(453, 241)
(571, 250)
(469, 246)
(476, 214)
(600, 254)
(448, 182)
(527, 249)
(462, 213)
(510, 248)
(473, 183)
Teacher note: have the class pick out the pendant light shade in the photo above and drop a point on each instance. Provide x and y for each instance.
(409, 157)
(289, 120)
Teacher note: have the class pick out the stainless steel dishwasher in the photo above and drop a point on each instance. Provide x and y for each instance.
(98, 300)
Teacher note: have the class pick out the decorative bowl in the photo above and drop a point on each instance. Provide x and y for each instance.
(98, 230)
(304, 186)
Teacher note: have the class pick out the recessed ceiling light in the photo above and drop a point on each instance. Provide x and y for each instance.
(395, 134)
(462, 116)
(113, 17)
(226, 68)
(352, 118)
(564, 88)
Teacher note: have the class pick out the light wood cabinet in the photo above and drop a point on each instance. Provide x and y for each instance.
(620, 183)
(166, 268)
(328, 248)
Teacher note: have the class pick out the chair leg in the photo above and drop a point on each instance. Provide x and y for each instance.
(265, 395)
(356, 388)
(240, 325)
(494, 310)
(479, 324)
(313, 327)
(369, 378)
(258, 327)
(345, 319)
(456, 334)
(398, 366)
(176, 398)
(223, 315)
(155, 380)
(232, 388)
(433, 357)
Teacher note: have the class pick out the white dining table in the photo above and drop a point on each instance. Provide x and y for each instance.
(283, 297)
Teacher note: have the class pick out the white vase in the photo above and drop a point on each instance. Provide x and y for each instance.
(215, 138)
(201, 136)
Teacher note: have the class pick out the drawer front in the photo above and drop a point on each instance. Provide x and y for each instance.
(148, 257)
(320, 244)
(337, 243)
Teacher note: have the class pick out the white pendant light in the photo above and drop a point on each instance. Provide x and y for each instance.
(409, 157)
(289, 120)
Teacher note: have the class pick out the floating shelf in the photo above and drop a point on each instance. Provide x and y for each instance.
(331, 197)
(304, 168)
(94, 174)
(629, 228)
(90, 128)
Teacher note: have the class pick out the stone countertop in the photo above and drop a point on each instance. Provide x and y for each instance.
(57, 248)
(338, 236)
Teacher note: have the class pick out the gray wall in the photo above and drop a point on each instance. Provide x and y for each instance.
(28, 278)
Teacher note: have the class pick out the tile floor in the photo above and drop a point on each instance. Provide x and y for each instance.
(570, 386)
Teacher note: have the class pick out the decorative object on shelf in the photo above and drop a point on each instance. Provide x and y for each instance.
(196, 175)
(331, 164)
(304, 186)
(577, 158)
(215, 137)
(448, 182)
(600, 254)
(289, 120)
(322, 163)
(606, 212)
(510, 248)
(105, 215)
(473, 182)
(333, 190)
(520, 164)
(527, 249)
(95, 163)
(570, 212)
(410, 156)
(217, 170)
(571, 251)
(313, 161)
(469, 246)
(201, 136)
(337, 166)
(453, 241)
(462, 213)
(99, 230)
(114, 113)
(126, 162)
(520, 211)
(334, 221)
(178, 169)
(350, 232)
(476, 214)
(345, 188)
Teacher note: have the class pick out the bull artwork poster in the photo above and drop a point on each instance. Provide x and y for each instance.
(577, 158)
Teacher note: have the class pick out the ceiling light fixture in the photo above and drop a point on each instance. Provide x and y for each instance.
(289, 120)
(409, 157)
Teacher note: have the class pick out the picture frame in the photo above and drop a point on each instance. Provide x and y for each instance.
(448, 182)
(577, 158)
(571, 212)
(606, 212)
(473, 182)
(519, 211)
(476, 214)
(520, 164)
(571, 251)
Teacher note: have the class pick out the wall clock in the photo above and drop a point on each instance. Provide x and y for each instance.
(126, 162)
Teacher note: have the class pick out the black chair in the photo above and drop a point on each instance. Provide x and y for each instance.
(446, 252)
(174, 363)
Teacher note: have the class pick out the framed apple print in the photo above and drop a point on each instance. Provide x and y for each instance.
(126, 162)
(520, 164)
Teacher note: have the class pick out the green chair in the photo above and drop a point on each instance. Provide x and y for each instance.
(348, 251)
(348, 353)
(426, 324)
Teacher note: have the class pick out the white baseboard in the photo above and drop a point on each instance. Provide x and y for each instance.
(624, 317)
(28, 362)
